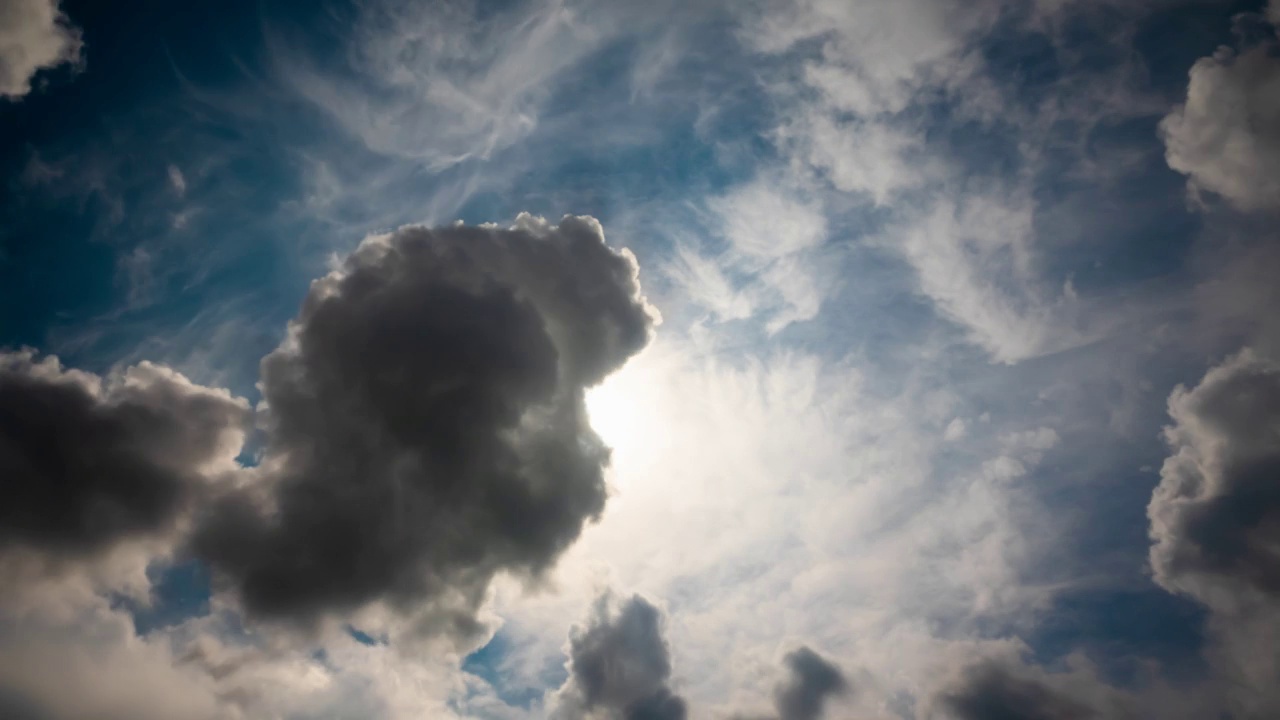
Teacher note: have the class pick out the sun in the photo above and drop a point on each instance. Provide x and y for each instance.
(626, 411)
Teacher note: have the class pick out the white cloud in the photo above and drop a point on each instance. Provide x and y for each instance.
(177, 180)
(974, 259)
(763, 223)
(444, 82)
(1226, 136)
(769, 264)
(869, 156)
(35, 35)
(874, 54)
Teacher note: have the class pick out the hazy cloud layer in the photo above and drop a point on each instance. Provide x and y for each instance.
(425, 420)
(34, 35)
(619, 666)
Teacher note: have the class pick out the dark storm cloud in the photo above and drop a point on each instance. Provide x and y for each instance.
(990, 691)
(620, 666)
(426, 422)
(1215, 516)
(810, 683)
(87, 461)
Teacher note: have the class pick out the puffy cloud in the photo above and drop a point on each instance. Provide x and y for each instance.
(1215, 521)
(34, 35)
(89, 461)
(425, 422)
(1226, 136)
(1215, 516)
(620, 666)
(811, 682)
(991, 691)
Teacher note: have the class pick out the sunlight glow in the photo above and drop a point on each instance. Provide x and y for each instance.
(626, 412)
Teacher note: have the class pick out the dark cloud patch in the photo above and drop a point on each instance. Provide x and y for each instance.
(990, 691)
(1215, 523)
(811, 682)
(425, 421)
(1215, 516)
(620, 666)
(88, 461)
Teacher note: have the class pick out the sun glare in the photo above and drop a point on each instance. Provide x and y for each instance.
(623, 411)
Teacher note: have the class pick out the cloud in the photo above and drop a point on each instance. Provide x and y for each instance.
(975, 260)
(619, 666)
(177, 180)
(34, 35)
(442, 82)
(89, 461)
(1215, 520)
(811, 682)
(425, 422)
(1215, 516)
(991, 691)
(1226, 137)
(772, 236)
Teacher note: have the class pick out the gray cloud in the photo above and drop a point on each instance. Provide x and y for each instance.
(1226, 137)
(89, 461)
(811, 682)
(425, 421)
(1215, 516)
(34, 35)
(990, 691)
(1215, 522)
(620, 666)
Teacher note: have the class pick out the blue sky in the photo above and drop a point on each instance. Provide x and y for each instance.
(966, 378)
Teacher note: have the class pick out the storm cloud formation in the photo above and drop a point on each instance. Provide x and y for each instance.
(425, 421)
(990, 691)
(88, 461)
(620, 666)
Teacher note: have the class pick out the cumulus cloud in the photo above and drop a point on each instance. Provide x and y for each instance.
(619, 666)
(1226, 137)
(35, 35)
(425, 422)
(1215, 516)
(89, 461)
(1215, 520)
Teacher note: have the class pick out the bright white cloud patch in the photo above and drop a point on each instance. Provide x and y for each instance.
(35, 35)
(1226, 136)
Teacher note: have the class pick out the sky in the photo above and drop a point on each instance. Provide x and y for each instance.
(588, 359)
